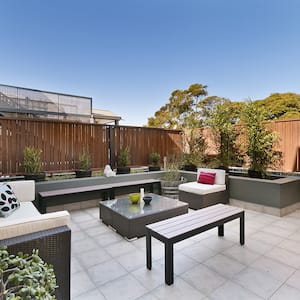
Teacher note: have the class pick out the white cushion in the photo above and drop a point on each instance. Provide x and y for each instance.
(220, 174)
(200, 188)
(26, 210)
(10, 227)
(23, 189)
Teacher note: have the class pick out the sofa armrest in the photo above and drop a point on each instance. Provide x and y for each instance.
(23, 189)
(54, 247)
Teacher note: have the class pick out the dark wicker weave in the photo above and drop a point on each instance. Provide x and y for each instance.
(197, 201)
(54, 248)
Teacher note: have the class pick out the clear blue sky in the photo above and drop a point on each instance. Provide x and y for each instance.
(129, 55)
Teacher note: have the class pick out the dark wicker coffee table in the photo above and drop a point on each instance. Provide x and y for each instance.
(129, 220)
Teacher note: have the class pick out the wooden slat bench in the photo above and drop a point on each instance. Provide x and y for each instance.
(179, 228)
(61, 196)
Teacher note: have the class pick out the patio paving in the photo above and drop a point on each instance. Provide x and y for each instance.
(106, 266)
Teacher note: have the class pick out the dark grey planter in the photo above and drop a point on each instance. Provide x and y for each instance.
(83, 173)
(123, 170)
(36, 177)
(154, 168)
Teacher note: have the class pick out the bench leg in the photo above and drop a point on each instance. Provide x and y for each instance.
(169, 264)
(148, 250)
(242, 229)
(221, 230)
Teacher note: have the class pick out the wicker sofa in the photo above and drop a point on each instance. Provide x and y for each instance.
(199, 195)
(26, 229)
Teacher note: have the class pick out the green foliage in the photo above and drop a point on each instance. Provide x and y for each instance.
(154, 159)
(182, 109)
(124, 158)
(85, 161)
(280, 106)
(25, 277)
(172, 174)
(222, 120)
(260, 141)
(32, 160)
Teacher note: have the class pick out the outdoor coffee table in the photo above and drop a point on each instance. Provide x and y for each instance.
(130, 220)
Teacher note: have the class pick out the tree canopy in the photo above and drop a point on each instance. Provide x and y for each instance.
(191, 108)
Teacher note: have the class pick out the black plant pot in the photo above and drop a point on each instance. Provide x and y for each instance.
(123, 170)
(154, 168)
(255, 174)
(35, 177)
(83, 173)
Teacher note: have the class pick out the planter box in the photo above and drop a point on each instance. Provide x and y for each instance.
(277, 197)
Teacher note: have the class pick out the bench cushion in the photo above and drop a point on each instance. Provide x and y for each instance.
(25, 225)
(200, 188)
(220, 174)
(23, 189)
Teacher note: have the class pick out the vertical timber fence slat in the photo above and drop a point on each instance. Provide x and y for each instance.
(62, 143)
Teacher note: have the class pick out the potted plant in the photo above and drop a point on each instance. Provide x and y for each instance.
(32, 164)
(123, 161)
(25, 277)
(260, 141)
(170, 181)
(84, 165)
(154, 159)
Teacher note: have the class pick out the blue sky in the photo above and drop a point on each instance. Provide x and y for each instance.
(129, 55)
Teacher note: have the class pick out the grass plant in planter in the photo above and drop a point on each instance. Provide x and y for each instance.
(84, 165)
(32, 164)
(25, 276)
(170, 182)
(123, 162)
(154, 159)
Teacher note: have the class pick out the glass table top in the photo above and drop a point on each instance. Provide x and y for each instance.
(124, 207)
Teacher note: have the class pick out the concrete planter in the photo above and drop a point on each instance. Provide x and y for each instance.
(277, 197)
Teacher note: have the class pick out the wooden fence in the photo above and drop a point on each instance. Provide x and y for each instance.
(289, 143)
(62, 143)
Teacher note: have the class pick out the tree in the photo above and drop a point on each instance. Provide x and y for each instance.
(280, 106)
(260, 141)
(222, 119)
(182, 110)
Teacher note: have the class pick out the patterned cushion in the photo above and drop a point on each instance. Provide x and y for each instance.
(8, 201)
(207, 178)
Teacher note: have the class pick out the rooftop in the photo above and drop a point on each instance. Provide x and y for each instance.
(106, 266)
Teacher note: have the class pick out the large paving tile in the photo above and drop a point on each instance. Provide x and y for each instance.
(148, 296)
(75, 265)
(277, 230)
(81, 246)
(257, 246)
(124, 288)
(90, 295)
(133, 260)
(217, 243)
(81, 284)
(224, 265)
(198, 252)
(120, 248)
(291, 245)
(233, 291)
(204, 279)
(259, 282)
(286, 292)
(285, 256)
(93, 257)
(241, 254)
(179, 290)
(107, 271)
(150, 279)
(107, 238)
(294, 280)
(274, 268)
(80, 216)
(90, 223)
(268, 238)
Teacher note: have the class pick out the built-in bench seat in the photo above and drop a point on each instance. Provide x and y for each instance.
(106, 191)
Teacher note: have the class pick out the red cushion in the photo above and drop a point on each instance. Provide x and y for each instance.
(207, 178)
